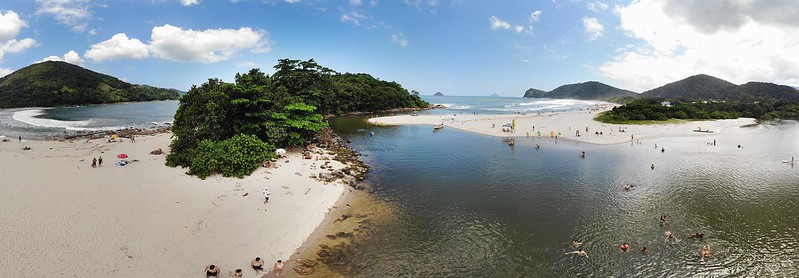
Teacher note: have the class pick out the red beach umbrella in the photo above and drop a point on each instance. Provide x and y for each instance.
(122, 155)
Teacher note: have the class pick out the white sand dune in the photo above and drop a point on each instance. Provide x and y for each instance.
(61, 217)
(565, 123)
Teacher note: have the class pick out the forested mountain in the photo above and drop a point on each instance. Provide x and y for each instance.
(591, 90)
(54, 83)
(763, 90)
(697, 87)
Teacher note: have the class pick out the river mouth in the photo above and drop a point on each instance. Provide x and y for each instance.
(463, 204)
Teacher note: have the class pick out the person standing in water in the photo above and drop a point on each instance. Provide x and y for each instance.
(278, 268)
(705, 253)
(653, 166)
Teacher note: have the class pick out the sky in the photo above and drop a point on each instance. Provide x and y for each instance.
(457, 47)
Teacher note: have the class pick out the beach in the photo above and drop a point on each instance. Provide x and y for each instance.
(62, 217)
(565, 125)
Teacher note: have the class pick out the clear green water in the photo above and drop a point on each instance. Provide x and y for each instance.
(468, 205)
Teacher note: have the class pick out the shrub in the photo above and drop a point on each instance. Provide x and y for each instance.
(235, 157)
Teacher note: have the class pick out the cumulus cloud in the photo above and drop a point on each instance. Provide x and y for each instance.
(207, 46)
(73, 13)
(740, 44)
(117, 47)
(71, 57)
(497, 23)
(593, 27)
(10, 26)
(399, 39)
(189, 2)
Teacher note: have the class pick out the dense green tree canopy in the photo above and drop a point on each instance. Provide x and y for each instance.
(655, 110)
(285, 109)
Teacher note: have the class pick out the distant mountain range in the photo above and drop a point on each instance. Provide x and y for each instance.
(54, 83)
(591, 90)
(697, 87)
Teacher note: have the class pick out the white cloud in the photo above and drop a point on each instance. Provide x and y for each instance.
(356, 2)
(117, 47)
(5, 71)
(71, 57)
(10, 25)
(73, 13)
(497, 23)
(518, 28)
(593, 27)
(247, 64)
(429, 5)
(399, 39)
(353, 17)
(207, 46)
(596, 6)
(740, 44)
(189, 2)
(535, 16)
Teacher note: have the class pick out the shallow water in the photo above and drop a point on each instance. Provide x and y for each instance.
(468, 205)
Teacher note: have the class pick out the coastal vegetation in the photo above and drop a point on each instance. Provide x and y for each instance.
(648, 110)
(55, 83)
(230, 128)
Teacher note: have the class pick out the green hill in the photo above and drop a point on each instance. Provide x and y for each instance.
(705, 87)
(590, 90)
(53, 83)
(697, 87)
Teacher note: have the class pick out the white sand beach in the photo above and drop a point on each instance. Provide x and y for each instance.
(565, 123)
(62, 218)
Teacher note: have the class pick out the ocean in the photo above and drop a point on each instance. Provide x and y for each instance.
(468, 205)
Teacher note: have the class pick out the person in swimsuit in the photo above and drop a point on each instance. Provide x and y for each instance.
(624, 247)
(266, 195)
(238, 273)
(644, 250)
(697, 235)
(705, 253)
(257, 265)
(668, 235)
(278, 268)
(578, 252)
(211, 271)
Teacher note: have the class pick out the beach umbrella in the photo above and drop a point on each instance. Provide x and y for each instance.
(122, 155)
(280, 151)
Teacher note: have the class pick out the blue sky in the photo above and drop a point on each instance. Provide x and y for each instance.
(457, 47)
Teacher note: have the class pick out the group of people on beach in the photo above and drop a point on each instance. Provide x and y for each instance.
(704, 253)
(257, 264)
(97, 162)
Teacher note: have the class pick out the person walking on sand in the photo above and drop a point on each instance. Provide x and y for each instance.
(94, 162)
(211, 271)
(578, 252)
(20, 138)
(653, 166)
(278, 268)
(662, 149)
(100, 161)
(266, 195)
(257, 265)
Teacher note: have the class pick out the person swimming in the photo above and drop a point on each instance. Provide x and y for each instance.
(624, 247)
(697, 235)
(664, 219)
(667, 235)
(644, 250)
(577, 243)
(627, 187)
(578, 252)
(705, 253)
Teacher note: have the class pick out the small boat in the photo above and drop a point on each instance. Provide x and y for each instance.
(705, 131)
(438, 127)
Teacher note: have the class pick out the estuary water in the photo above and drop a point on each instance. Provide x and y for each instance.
(468, 205)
